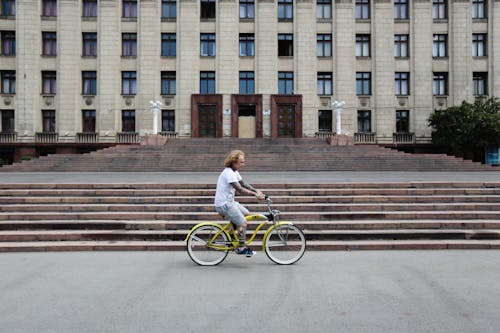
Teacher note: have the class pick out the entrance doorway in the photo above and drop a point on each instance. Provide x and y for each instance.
(206, 123)
(246, 121)
(286, 121)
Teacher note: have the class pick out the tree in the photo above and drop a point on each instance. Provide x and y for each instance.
(467, 130)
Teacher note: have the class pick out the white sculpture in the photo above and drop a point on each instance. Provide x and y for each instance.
(339, 107)
(155, 108)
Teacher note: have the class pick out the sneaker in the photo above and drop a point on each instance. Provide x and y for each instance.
(246, 251)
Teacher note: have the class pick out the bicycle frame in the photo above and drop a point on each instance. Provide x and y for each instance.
(230, 232)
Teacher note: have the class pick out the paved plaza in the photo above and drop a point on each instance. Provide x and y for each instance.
(376, 291)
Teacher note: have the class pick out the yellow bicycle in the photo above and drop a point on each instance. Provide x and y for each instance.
(209, 243)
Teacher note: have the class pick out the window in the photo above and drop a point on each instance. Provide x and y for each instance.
(402, 121)
(48, 121)
(89, 83)
(207, 45)
(207, 82)
(285, 10)
(49, 86)
(7, 43)
(325, 121)
(168, 84)
(168, 45)
(49, 41)
(49, 8)
(439, 9)
(89, 8)
(247, 83)
(364, 121)
(363, 83)
(362, 11)
(88, 121)
(8, 8)
(285, 45)
(478, 9)
(479, 83)
(207, 9)
(168, 9)
(7, 121)
(402, 83)
(129, 83)
(168, 120)
(440, 84)
(439, 46)
(129, 9)
(324, 45)
(401, 9)
(285, 83)
(128, 120)
(247, 9)
(8, 84)
(362, 45)
(324, 83)
(247, 45)
(324, 9)
(89, 48)
(401, 46)
(479, 45)
(129, 45)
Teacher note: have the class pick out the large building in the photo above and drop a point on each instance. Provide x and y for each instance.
(82, 72)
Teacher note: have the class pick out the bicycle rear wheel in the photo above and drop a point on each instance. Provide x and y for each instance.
(204, 248)
(285, 244)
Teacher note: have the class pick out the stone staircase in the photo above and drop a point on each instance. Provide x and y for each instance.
(262, 155)
(342, 216)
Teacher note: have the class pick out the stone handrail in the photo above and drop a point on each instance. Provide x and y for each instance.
(368, 137)
(7, 137)
(324, 135)
(46, 137)
(87, 137)
(169, 134)
(403, 137)
(127, 137)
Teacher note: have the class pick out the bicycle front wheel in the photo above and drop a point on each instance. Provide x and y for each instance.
(205, 245)
(285, 244)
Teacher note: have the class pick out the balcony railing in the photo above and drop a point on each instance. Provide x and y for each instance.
(127, 137)
(324, 135)
(403, 137)
(8, 137)
(368, 137)
(169, 134)
(87, 137)
(46, 137)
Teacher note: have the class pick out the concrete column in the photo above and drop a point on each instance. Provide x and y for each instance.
(188, 60)
(383, 68)
(305, 63)
(69, 39)
(344, 56)
(109, 77)
(227, 53)
(421, 77)
(28, 75)
(266, 48)
(148, 64)
(460, 44)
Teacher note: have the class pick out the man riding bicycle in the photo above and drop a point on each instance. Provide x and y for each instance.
(228, 183)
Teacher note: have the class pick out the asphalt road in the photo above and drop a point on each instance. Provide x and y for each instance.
(386, 291)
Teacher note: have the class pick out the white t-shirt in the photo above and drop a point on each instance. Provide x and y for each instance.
(225, 191)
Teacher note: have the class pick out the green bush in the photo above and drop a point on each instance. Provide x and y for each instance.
(26, 158)
(467, 130)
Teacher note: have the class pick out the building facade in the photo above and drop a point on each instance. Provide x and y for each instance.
(84, 71)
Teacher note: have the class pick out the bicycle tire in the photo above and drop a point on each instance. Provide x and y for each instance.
(285, 244)
(197, 245)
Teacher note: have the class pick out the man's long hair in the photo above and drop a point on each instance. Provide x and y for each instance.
(232, 158)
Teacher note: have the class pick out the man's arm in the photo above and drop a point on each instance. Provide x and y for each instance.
(243, 188)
